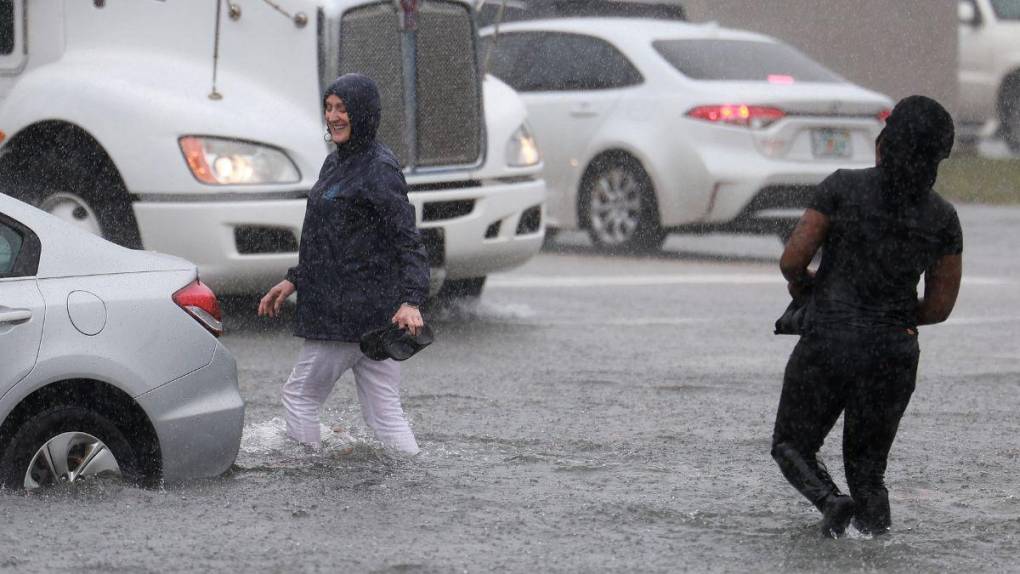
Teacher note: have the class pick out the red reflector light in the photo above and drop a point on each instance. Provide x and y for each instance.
(738, 115)
(780, 79)
(884, 115)
(198, 300)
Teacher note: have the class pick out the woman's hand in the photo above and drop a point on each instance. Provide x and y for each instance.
(271, 304)
(409, 319)
(802, 286)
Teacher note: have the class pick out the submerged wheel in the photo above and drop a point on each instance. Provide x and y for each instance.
(619, 207)
(66, 444)
(68, 457)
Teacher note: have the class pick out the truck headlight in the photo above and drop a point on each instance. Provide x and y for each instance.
(220, 161)
(522, 151)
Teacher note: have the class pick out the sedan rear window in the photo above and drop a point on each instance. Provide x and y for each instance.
(742, 60)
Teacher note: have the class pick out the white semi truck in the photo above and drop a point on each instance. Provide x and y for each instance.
(195, 127)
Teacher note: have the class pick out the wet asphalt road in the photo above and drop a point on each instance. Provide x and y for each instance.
(589, 414)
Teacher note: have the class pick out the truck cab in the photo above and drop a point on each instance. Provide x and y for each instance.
(196, 127)
(989, 69)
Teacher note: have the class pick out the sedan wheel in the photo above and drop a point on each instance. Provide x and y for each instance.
(66, 443)
(69, 457)
(621, 209)
(72, 209)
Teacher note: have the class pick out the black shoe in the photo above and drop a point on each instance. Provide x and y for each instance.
(872, 516)
(836, 514)
(870, 529)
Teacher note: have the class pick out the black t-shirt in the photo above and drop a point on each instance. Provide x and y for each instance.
(876, 251)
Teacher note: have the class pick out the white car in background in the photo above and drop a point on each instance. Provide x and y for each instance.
(109, 360)
(650, 126)
(989, 70)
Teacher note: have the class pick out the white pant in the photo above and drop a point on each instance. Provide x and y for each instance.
(319, 366)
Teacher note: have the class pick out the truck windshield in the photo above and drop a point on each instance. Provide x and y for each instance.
(1007, 9)
(740, 60)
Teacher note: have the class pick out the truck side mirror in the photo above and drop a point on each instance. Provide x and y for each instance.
(968, 14)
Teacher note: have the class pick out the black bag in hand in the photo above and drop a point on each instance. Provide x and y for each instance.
(392, 342)
(794, 319)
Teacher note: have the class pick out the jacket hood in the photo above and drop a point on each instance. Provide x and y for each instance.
(361, 96)
(918, 135)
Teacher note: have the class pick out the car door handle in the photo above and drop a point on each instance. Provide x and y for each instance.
(583, 110)
(14, 316)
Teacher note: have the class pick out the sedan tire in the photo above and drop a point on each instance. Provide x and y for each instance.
(619, 206)
(66, 443)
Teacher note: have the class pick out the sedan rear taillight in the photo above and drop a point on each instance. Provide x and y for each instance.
(884, 115)
(199, 301)
(754, 117)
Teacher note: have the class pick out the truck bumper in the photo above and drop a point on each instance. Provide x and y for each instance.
(246, 245)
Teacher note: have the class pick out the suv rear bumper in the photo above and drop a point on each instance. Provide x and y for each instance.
(246, 245)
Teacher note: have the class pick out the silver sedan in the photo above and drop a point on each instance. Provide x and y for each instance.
(109, 360)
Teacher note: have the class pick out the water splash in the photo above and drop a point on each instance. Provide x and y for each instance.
(267, 442)
(481, 310)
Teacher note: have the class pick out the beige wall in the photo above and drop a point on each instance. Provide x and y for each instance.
(897, 47)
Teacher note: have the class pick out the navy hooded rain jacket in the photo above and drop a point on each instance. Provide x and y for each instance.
(361, 255)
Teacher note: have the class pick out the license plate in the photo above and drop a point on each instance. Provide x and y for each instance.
(828, 143)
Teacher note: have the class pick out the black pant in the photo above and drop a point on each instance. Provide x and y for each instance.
(867, 375)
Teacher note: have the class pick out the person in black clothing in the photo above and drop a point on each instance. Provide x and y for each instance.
(880, 229)
(361, 265)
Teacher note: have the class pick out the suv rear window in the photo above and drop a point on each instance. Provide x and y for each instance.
(742, 60)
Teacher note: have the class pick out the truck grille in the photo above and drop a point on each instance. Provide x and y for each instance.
(447, 88)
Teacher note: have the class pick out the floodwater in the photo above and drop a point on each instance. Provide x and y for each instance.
(591, 414)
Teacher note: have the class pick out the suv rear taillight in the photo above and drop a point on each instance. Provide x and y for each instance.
(199, 301)
(754, 117)
(884, 115)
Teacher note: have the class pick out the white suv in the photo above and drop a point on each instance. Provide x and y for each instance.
(990, 68)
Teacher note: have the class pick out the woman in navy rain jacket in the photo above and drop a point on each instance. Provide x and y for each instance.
(361, 265)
